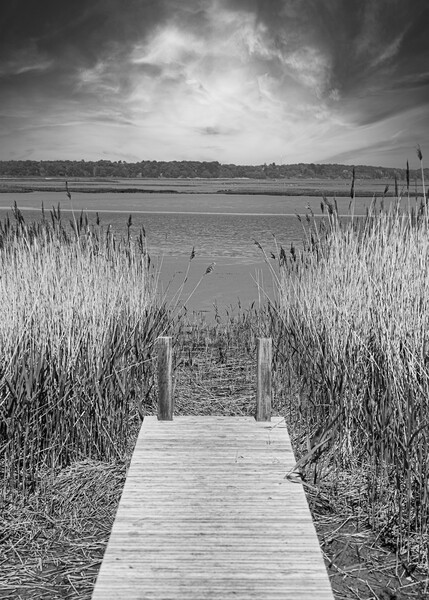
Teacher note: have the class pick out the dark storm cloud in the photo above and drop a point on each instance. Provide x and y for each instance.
(385, 41)
(48, 49)
(361, 37)
(75, 31)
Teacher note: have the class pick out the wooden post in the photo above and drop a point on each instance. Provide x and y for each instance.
(263, 385)
(165, 384)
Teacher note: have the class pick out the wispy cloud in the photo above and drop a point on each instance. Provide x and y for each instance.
(98, 79)
(23, 60)
(389, 51)
(230, 80)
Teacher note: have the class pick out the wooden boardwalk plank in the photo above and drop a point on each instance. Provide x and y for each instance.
(207, 513)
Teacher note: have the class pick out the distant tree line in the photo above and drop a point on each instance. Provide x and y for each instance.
(192, 169)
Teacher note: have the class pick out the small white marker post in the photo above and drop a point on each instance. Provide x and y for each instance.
(263, 379)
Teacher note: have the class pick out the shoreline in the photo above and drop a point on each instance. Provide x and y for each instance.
(280, 187)
(289, 192)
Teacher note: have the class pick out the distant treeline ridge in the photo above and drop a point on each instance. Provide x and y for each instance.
(192, 169)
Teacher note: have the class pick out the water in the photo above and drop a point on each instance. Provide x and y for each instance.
(222, 228)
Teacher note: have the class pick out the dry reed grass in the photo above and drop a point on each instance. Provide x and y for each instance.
(325, 381)
(214, 370)
(68, 523)
(79, 321)
(53, 542)
(351, 336)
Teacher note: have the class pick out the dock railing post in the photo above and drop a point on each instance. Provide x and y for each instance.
(263, 379)
(165, 383)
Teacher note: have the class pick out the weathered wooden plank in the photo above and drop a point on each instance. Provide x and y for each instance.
(165, 380)
(207, 513)
(263, 379)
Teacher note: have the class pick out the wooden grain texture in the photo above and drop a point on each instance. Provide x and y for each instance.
(165, 380)
(263, 379)
(207, 513)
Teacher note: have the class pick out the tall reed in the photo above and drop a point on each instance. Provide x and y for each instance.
(79, 319)
(353, 332)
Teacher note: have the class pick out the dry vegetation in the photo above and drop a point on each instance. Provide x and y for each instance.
(78, 324)
(351, 377)
(354, 314)
(351, 333)
(79, 320)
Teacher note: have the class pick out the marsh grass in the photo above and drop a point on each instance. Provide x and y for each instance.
(79, 321)
(214, 365)
(54, 541)
(351, 336)
(350, 376)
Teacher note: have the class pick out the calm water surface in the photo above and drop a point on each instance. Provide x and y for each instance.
(221, 227)
(216, 224)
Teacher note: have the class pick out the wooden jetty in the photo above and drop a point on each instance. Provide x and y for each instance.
(207, 512)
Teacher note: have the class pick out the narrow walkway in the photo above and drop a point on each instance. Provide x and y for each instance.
(206, 513)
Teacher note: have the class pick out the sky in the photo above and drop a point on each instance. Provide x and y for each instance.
(241, 81)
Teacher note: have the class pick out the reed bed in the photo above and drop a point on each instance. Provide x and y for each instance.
(215, 365)
(350, 376)
(352, 346)
(53, 541)
(79, 320)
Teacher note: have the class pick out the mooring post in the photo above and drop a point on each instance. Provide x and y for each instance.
(263, 379)
(165, 383)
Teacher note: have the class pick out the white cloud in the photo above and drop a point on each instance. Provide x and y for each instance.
(24, 60)
(34, 66)
(223, 71)
(168, 46)
(335, 95)
(92, 75)
(230, 78)
(310, 67)
(99, 79)
(389, 51)
(372, 41)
